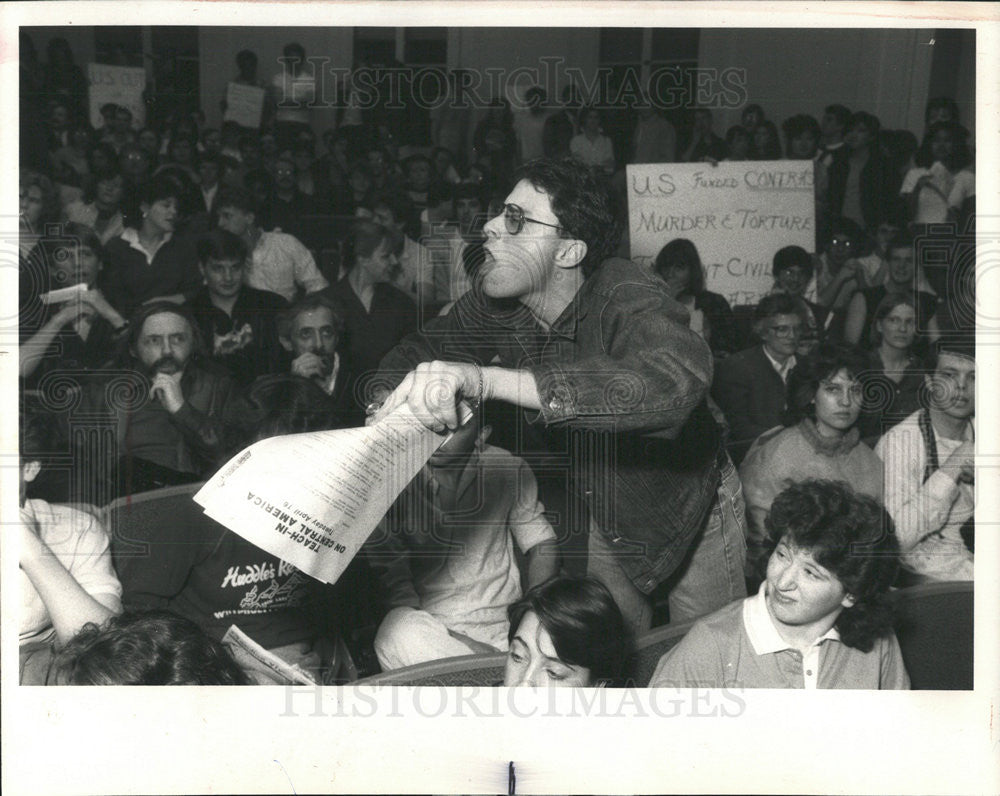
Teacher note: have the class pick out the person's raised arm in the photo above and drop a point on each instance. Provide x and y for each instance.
(68, 603)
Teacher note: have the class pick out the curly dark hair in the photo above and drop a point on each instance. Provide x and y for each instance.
(581, 202)
(584, 622)
(147, 648)
(851, 535)
(804, 379)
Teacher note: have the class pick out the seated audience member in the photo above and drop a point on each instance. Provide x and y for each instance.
(820, 619)
(149, 263)
(654, 139)
(149, 139)
(209, 179)
(451, 245)
(792, 268)
(838, 274)
(376, 314)
(278, 262)
(287, 204)
(446, 552)
(167, 415)
(312, 332)
(895, 374)
(704, 144)
(238, 323)
(39, 207)
(70, 166)
(120, 134)
(941, 181)
(737, 143)
(444, 165)
(679, 265)
(215, 578)
(418, 171)
(752, 118)
(875, 265)
(765, 145)
(802, 136)
(833, 126)
(136, 166)
(863, 185)
(566, 632)
(78, 334)
(416, 268)
(591, 147)
(820, 439)
(929, 461)
(66, 575)
(749, 386)
(101, 205)
(905, 277)
(303, 155)
(146, 648)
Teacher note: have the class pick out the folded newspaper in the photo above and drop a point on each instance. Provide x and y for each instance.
(313, 499)
(264, 666)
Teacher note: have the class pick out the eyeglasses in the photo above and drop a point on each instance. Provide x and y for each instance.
(787, 330)
(514, 218)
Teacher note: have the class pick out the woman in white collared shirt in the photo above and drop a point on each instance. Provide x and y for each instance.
(591, 146)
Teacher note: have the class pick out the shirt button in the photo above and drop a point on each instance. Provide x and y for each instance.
(809, 672)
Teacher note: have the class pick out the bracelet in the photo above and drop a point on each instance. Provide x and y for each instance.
(479, 391)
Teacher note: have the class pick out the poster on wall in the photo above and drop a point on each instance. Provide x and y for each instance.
(738, 214)
(122, 85)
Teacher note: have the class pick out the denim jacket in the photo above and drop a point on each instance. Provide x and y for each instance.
(622, 383)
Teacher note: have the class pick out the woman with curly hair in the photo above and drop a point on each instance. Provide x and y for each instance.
(820, 619)
(820, 439)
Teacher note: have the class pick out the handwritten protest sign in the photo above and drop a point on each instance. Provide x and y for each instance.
(244, 105)
(122, 85)
(737, 213)
(313, 499)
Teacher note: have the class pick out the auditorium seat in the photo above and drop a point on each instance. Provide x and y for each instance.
(477, 670)
(934, 625)
(649, 648)
(127, 517)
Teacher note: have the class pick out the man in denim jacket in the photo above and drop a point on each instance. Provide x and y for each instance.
(609, 375)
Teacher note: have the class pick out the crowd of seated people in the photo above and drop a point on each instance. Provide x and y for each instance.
(186, 291)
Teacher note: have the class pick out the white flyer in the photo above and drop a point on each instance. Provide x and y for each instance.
(313, 499)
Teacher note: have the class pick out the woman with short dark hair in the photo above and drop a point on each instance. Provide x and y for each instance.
(148, 261)
(566, 632)
(820, 438)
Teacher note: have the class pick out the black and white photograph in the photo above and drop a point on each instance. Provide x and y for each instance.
(500, 398)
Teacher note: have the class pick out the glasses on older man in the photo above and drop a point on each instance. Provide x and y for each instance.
(514, 219)
(786, 329)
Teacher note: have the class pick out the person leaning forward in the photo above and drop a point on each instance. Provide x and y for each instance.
(602, 360)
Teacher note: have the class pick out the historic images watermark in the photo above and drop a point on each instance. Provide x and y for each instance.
(435, 701)
(431, 87)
